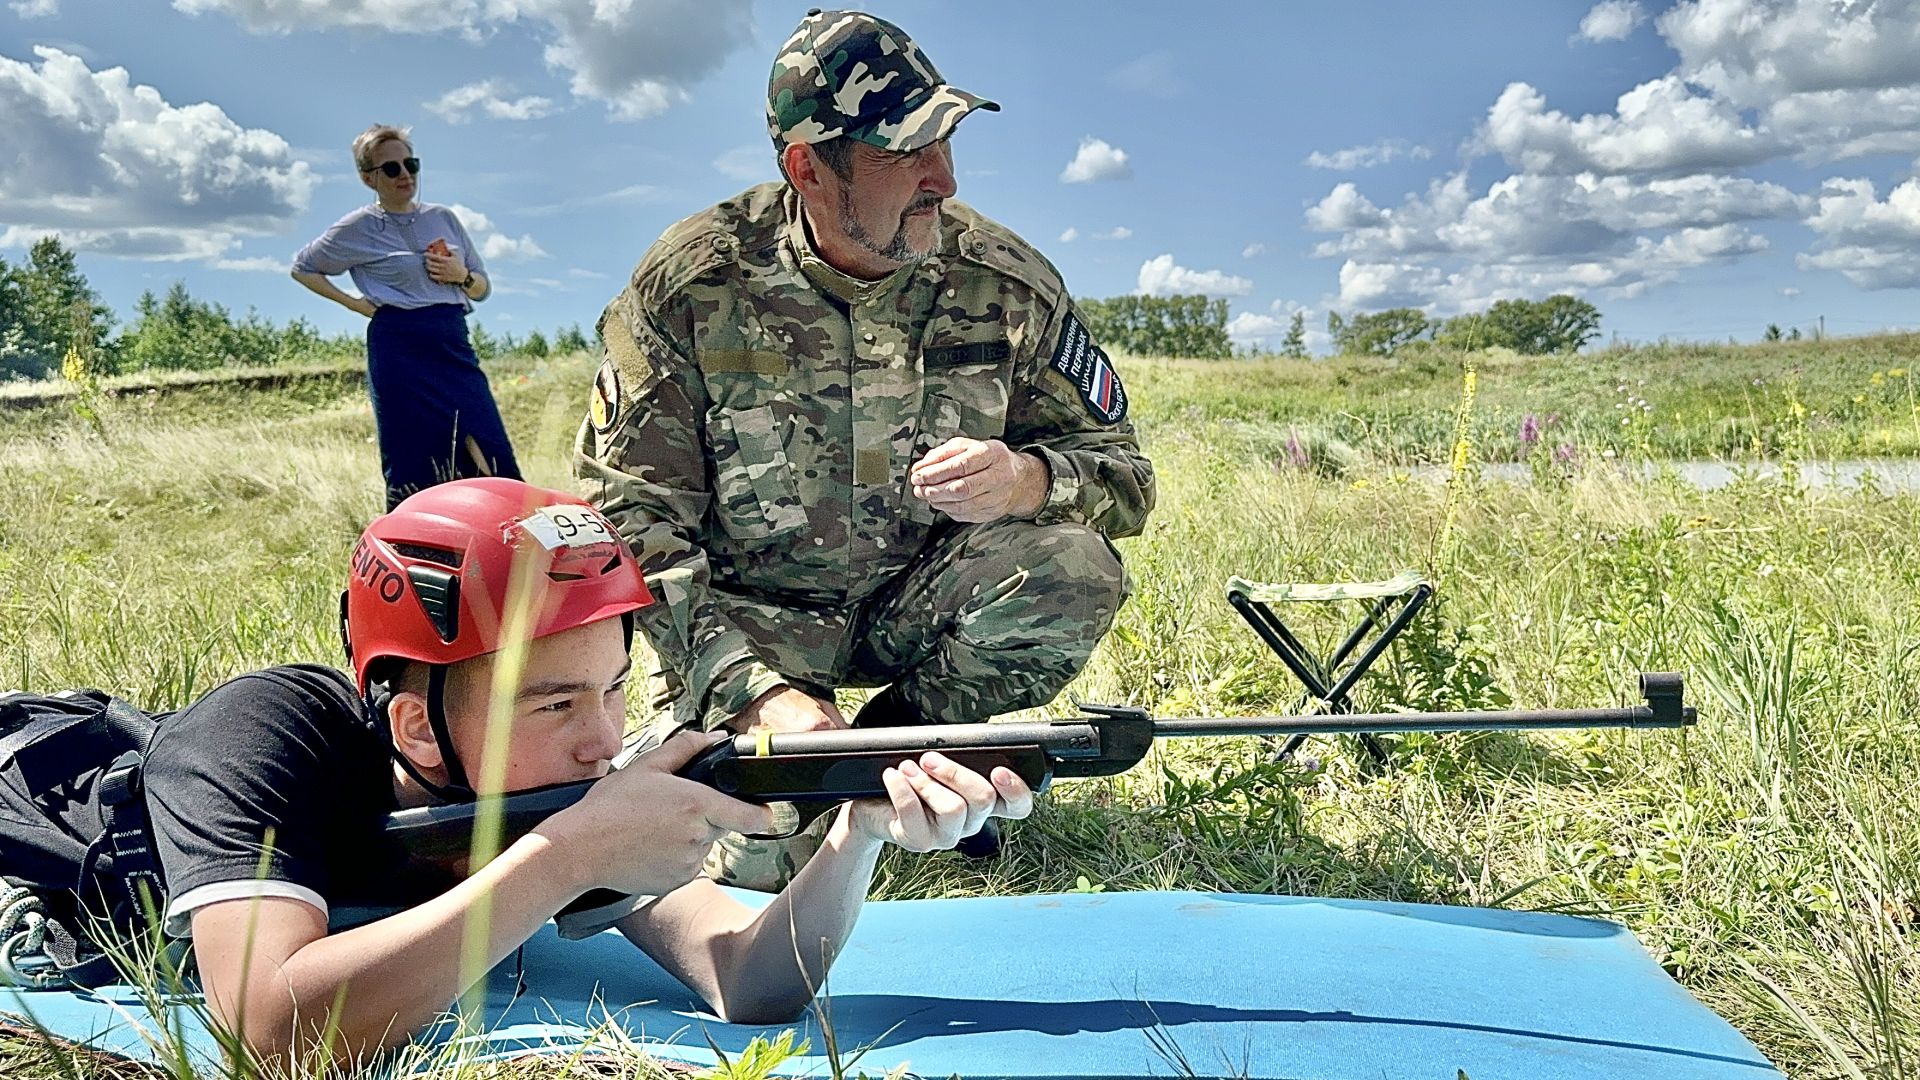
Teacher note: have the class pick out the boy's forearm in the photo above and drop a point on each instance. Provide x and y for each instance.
(392, 977)
(783, 957)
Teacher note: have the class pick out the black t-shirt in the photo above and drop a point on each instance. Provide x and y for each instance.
(273, 784)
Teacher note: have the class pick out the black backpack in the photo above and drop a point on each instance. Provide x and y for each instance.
(77, 756)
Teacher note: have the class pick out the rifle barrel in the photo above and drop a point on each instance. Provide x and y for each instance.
(1638, 716)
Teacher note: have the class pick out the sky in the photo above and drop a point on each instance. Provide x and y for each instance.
(1696, 170)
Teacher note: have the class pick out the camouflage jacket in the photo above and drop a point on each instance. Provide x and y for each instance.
(756, 413)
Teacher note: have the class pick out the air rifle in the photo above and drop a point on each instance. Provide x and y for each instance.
(804, 774)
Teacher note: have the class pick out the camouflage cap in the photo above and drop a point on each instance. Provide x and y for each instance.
(850, 73)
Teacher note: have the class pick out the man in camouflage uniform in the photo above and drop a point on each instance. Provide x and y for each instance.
(857, 433)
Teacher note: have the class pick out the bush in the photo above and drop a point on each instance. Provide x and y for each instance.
(1558, 324)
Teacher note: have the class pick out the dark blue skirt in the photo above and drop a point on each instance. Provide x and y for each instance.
(431, 404)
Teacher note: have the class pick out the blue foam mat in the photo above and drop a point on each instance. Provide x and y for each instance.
(1120, 985)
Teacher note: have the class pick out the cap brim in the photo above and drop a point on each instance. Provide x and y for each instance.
(926, 122)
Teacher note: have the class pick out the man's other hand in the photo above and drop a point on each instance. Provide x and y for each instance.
(785, 709)
(974, 481)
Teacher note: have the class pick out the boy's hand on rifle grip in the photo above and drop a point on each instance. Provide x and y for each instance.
(933, 802)
(643, 830)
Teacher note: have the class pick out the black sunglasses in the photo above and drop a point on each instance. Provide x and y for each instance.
(392, 168)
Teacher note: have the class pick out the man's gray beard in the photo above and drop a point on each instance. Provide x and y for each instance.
(896, 250)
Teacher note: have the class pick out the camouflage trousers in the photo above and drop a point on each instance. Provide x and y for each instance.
(991, 618)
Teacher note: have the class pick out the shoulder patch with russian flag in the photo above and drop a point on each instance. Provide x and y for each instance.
(1086, 366)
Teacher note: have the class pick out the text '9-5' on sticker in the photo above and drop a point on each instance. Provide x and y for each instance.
(605, 406)
(555, 527)
(1087, 366)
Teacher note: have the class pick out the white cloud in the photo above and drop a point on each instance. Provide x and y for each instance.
(1474, 286)
(1156, 75)
(1525, 216)
(35, 9)
(1070, 235)
(254, 264)
(637, 56)
(1757, 52)
(1266, 330)
(1550, 233)
(748, 164)
(1118, 232)
(585, 275)
(494, 244)
(1255, 248)
(111, 166)
(1160, 277)
(1623, 200)
(1366, 157)
(1611, 20)
(1660, 126)
(456, 105)
(1345, 208)
(1873, 244)
(1789, 292)
(1096, 160)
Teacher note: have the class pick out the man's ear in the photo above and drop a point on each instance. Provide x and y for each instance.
(412, 731)
(803, 170)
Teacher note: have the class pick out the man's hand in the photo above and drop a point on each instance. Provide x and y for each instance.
(977, 481)
(643, 830)
(933, 802)
(785, 709)
(362, 305)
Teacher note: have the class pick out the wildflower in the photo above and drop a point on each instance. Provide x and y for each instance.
(1608, 453)
(1362, 484)
(1897, 373)
(1296, 453)
(1798, 410)
(1859, 399)
(1565, 454)
(1876, 379)
(1530, 431)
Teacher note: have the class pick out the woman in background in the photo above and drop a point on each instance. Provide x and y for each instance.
(418, 276)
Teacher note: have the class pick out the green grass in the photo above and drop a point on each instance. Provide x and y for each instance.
(1768, 858)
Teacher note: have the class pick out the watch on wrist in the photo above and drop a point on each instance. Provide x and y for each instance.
(468, 283)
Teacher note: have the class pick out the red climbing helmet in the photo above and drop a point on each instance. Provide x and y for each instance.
(431, 578)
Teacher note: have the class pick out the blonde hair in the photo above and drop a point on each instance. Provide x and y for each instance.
(369, 141)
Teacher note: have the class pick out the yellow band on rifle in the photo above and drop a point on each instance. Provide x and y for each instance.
(763, 742)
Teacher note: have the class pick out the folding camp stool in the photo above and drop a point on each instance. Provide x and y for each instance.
(1390, 606)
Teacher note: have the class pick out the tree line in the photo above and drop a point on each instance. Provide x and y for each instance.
(48, 313)
(1196, 327)
(1558, 324)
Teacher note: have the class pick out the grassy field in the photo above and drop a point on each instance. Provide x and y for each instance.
(1769, 858)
